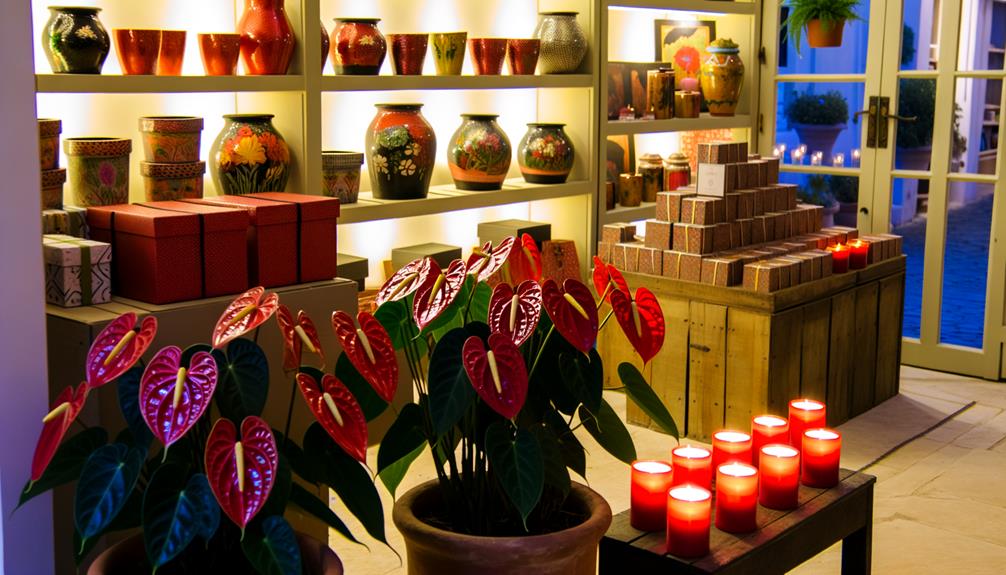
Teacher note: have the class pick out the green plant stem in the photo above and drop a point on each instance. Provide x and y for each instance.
(82, 424)
(607, 290)
(289, 409)
(541, 349)
(605, 321)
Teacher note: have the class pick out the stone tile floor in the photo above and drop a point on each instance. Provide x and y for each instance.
(940, 502)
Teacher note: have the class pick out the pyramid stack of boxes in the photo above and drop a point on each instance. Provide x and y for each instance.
(738, 226)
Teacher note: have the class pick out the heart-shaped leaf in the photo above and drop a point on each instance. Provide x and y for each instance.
(241, 473)
(297, 334)
(118, 347)
(243, 384)
(105, 483)
(310, 503)
(177, 507)
(573, 454)
(54, 426)
(572, 311)
(172, 397)
(273, 550)
(556, 474)
(608, 430)
(642, 320)
(65, 466)
(583, 376)
(128, 388)
(395, 317)
(437, 291)
(515, 315)
(337, 411)
(402, 443)
(498, 375)
(607, 279)
(517, 461)
(450, 391)
(370, 350)
(129, 517)
(248, 311)
(479, 308)
(404, 282)
(525, 261)
(486, 261)
(643, 395)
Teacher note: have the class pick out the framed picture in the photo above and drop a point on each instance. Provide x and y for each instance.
(683, 44)
(620, 156)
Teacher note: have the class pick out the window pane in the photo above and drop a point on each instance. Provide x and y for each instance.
(850, 59)
(983, 35)
(818, 115)
(965, 264)
(977, 123)
(913, 230)
(920, 48)
(914, 138)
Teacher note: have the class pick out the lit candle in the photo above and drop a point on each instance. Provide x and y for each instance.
(803, 149)
(838, 160)
(730, 446)
(859, 254)
(816, 158)
(855, 156)
(822, 450)
(688, 510)
(767, 429)
(776, 152)
(796, 157)
(779, 468)
(650, 482)
(692, 466)
(839, 258)
(736, 497)
(804, 414)
(689, 84)
(782, 149)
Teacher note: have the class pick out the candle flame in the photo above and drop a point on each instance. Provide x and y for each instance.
(807, 404)
(737, 469)
(825, 434)
(690, 452)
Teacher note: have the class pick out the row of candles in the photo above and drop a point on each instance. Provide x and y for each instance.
(798, 154)
(851, 256)
(765, 466)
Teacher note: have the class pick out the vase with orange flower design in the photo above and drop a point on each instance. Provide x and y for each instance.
(722, 76)
(401, 150)
(249, 156)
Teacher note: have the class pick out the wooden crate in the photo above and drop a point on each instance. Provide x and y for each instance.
(731, 354)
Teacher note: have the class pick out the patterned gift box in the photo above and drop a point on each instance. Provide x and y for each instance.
(825, 257)
(789, 267)
(760, 172)
(745, 231)
(721, 237)
(758, 201)
(839, 233)
(805, 271)
(741, 176)
(714, 153)
(782, 226)
(896, 244)
(730, 207)
(681, 266)
(651, 261)
(763, 229)
(559, 260)
(70, 221)
(693, 238)
(628, 254)
(741, 151)
(794, 246)
(669, 205)
(701, 210)
(659, 234)
(317, 217)
(762, 277)
(875, 249)
(773, 170)
(814, 264)
(77, 271)
(615, 233)
(745, 203)
(604, 251)
(722, 271)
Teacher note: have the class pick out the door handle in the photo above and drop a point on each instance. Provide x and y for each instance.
(902, 118)
(855, 117)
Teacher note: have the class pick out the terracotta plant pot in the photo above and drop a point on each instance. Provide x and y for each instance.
(522, 55)
(431, 550)
(172, 53)
(479, 153)
(563, 43)
(98, 170)
(408, 52)
(52, 188)
(545, 154)
(48, 143)
(820, 35)
(819, 138)
(722, 77)
(448, 52)
(74, 41)
(358, 47)
(171, 139)
(249, 156)
(220, 53)
(172, 181)
(487, 55)
(401, 152)
(137, 50)
(340, 173)
(267, 38)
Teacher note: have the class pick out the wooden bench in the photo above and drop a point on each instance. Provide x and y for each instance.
(784, 539)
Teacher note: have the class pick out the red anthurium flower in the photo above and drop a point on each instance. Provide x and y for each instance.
(118, 347)
(405, 281)
(641, 319)
(498, 375)
(337, 411)
(515, 314)
(54, 425)
(484, 262)
(370, 350)
(607, 279)
(572, 311)
(241, 473)
(248, 311)
(437, 292)
(525, 261)
(297, 336)
(173, 397)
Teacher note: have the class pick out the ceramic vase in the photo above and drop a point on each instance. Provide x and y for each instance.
(98, 170)
(48, 143)
(563, 43)
(358, 47)
(340, 174)
(479, 153)
(722, 76)
(267, 39)
(74, 41)
(448, 52)
(172, 181)
(220, 53)
(249, 156)
(171, 139)
(408, 53)
(401, 152)
(172, 53)
(325, 46)
(487, 55)
(137, 50)
(545, 154)
(522, 55)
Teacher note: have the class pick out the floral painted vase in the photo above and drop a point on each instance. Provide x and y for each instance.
(722, 76)
(448, 52)
(545, 154)
(358, 47)
(249, 156)
(267, 38)
(74, 41)
(401, 151)
(340, 175)
(98, 170)
(479, 153)
(171, 139)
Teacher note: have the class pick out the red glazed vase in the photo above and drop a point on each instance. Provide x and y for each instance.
(267, 39)
(408, 52)
(487, 55)
(358, 47)
(401, 151)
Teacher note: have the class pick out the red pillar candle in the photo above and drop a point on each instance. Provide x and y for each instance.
(688, 510)
(822, 450)
(736, 497)
(767, 429)
(804, 414)
(730, 446)
(859, 252)
(692, 466)
(779, 471)
(650, 482)
(839, 258)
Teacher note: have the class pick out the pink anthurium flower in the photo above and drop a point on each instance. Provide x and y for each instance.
(241, 472)
(248, 311)
(298, 335)
(370, 350)
(497, 374)
(437, 291)
(118, 347)
(641, 319)
(572, 311)
(338, 412)
(54, 426)
(486, 261)
(172, 396)
(515, 314)
(405, 281)
(607, 279)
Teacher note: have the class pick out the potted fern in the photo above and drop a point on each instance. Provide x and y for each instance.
(818, 120)
(824, 21)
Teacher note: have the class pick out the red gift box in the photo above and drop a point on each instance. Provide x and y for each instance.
(316, 218)
(225, 257)
(157, 253)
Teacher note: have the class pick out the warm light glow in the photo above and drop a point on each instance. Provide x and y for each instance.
(822, 434)
(808, 404)
(689, 452)
(732, 436)
(737, 470)
(770, 421)
(689, 493)
(651, 467)
(779, 451)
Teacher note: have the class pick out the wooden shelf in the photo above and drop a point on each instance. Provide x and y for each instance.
(447, 198)
(114, 84)
(378, 83)
(706, 122)
(721, 7)
(644, 212)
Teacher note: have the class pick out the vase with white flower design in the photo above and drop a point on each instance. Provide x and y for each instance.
(249, 156)
(401, 151)
(545, 154)
(479, 153)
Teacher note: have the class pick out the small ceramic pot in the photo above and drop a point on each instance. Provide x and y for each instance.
(74, 41)
(401, 152)
(487, 55)
(52, 188)
(448, 52)
(325, 46)
(137, 50)
(722, 77)
(249, 156)
(545, 154)
(172, 53)
(98, 170)
(408, 52)
(163, 182)
(479, 153)
(522, 55)
(171, 139)
(358, 47)
(563, 43)
(220, 53)
(340, 173)
(48, 143)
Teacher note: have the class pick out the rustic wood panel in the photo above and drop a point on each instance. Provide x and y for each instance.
(614, 348)
(890, 308)
(864, 371)
(747, 366)
(707, 369)
(668, 371)
(843, 331)
(784, 360)
(814, 350)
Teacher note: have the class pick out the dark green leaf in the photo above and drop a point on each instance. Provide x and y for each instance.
(573, 454)
(395, 317)
(243, 380)
(310, 503)
(642, 394)
(300, 464)
(128, 389)
(548, 376)
(402, 443)
(517, 462)
(130, 517)
(66, 463)
(371, 403)
(479, 310)
(192, 350)
(556, 475)
(272, 549)
(583, 376)
(177, 507)
(105, 483)
(451, 393)
(393, 474)
(609, 431)
(280, 493)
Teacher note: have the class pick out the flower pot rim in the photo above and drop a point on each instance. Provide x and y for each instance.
(720, 50)
(547, 124)
(98, 146)
(158, 30)
(53, 177)
(559, 13)
(49, 127)
(361, 20)
(174, 124)
(84, 9)
(479, 116)
(339, 153)
(413, 34)
(172, 171)
(398, 106)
